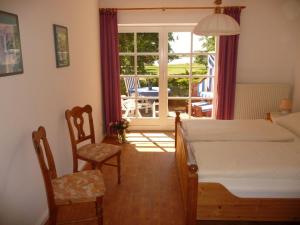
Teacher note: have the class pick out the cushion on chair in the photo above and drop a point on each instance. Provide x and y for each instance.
(98, 152)
(83, 186)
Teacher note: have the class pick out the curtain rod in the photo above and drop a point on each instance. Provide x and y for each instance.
(176, 8)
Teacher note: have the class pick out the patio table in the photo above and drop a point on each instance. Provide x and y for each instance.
(146, 91)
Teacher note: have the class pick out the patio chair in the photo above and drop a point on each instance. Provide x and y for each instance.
(201, 109)
(129, 84)
(130, 89)
(129, 106)
(203, 90)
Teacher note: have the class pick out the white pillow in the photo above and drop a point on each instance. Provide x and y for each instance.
(290, 122)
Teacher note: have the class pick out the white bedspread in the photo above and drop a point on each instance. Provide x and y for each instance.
(234, 130)
(251, 169)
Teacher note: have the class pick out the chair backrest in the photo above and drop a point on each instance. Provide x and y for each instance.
(129, 104)
(47, 165)
(129, 84)
(75, 120)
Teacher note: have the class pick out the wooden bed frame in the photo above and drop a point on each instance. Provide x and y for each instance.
(212, 201)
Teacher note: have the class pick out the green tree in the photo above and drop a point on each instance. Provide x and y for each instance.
(146, 42)
(208, 45)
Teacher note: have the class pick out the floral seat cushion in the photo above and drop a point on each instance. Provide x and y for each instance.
(83, 186)
(98, 152)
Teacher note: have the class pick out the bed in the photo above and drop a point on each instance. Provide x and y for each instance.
(241, 193)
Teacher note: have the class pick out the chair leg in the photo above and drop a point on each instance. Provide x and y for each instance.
(94, 166)
(75, 164)
(99, 210)
(119, 168)
(127, 112)
(52, 218)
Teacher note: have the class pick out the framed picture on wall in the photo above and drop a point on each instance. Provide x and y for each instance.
(61, 46)
(11, 62)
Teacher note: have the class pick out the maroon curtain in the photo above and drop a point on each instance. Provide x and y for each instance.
(228, 49)
(110, 70)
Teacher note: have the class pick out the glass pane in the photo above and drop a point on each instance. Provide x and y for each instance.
(127, 65)
(123, 87)
(179, 42)
(199, 85)
(147, 42)
(148, 107)
(129, 108)
(203, 64)
(199, 66)
(201, 108)
(155, 109)
(143, 107)
(179, 87)
(148, 86)
(177, 105)
(126, 42)
(129, 84)
(204, 43)
(148, 65)
(178, 65)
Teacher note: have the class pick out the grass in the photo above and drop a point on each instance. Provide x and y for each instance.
(178, 69)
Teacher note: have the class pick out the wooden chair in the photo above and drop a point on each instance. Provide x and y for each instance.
(78, 189)
(96, 154)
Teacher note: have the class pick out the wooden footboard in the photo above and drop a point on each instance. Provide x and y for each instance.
(215, 202)
(187, 173)
(212, 201)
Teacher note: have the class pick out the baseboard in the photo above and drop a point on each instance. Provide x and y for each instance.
(43, 219)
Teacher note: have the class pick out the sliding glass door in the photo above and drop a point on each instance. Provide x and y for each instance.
(163, 70)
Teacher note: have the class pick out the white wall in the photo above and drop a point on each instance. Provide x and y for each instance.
(267, 41)
(41, 95)
(296, 98)
(267, 44)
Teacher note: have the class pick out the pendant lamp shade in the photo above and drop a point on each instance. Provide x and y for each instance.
(217, 24)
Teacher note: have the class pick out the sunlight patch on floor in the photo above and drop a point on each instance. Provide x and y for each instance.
(134, 135)
(143, 144)
(165, 144)
(152, 141)
(169, 149)
(141, 149)
(155, 135)
(161, 139)
(130, 139)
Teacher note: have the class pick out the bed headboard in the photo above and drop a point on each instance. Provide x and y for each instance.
(253, 101)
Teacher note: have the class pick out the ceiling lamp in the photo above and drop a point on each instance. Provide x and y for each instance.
(217, 24)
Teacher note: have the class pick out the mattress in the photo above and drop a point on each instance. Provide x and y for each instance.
(251, 169)
(234, 130)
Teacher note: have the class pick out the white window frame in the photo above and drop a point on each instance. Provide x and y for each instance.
(163, 122)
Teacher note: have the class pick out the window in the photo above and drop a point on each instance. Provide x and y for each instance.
(139, 68)
(191, 63)
(164, 70)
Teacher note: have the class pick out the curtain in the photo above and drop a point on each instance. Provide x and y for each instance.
(228, 50)
(110, 70)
